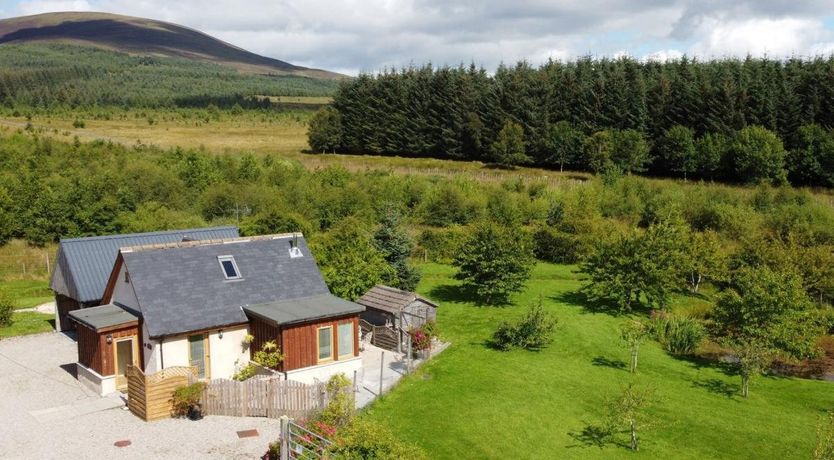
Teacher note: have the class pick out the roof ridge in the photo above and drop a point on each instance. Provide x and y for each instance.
(212, 242)
(132, 235)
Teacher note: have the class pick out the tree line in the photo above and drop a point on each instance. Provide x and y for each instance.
(50, 76)
(737, 120)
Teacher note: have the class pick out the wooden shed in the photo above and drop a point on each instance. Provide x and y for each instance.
(387, 306)
(108, 344)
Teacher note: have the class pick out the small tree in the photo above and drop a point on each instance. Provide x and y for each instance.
(631, 151)
(758, 156)
(711, 149)
(677, 147)
(632, 334)
(564, 143)
(754, 357)
(497, 262)
(508, 149)
(598, 150)
(325, 131)
(704, 259)
(629, 409)
(395, 246)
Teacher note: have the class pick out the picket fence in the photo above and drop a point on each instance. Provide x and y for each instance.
(259, 396)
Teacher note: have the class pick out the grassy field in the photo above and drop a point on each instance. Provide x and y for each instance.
(27, 293)
(28, 322)
(475, 402)
(283, 134)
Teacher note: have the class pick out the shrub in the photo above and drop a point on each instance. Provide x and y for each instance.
(558, 247)
(533, 332)
(6, 310)
(269, 355)
(679, 335)
(78, 123)
(441, 245)
(245, 373)
(186, 397)
(422, 336)
(364, 439)
(340, 409)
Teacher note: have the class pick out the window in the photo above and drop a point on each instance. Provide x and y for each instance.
(230, 270)
(346, 339)
(127, 277)
(325, 343)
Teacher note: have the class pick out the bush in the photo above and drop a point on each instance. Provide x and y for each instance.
(269, 355)
(365, 440)
(245, 373)
(679, 335)
(78, 123)
(6, 310)
(186, 397)
(441, 245)
(533, 332)
(341, 407)
(558, 247)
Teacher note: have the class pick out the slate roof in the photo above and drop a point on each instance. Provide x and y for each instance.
(83, 265)
(182, 288)
(390, 299)
(306, 309)
(103, 316)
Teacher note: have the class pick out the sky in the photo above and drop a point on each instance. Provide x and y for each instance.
(371, 35)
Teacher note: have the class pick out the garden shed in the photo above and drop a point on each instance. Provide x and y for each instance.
(388, 306)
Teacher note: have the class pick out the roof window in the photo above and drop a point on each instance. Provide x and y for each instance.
(229, 266)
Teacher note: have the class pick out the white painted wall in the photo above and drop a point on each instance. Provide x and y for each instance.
(228, 351)
(323, 372)
(94, 381)
(224, 354)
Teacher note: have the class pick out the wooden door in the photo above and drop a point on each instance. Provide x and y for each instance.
(198, 355)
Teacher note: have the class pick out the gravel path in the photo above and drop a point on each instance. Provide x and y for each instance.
(36, 373)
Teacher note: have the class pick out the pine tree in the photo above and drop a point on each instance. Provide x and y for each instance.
(396, 247)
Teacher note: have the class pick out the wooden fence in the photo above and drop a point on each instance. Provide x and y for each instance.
(150, 397)
(263, 397)
(381, 336)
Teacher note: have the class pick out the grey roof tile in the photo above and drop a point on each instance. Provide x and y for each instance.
(83, 265)
(182, 289)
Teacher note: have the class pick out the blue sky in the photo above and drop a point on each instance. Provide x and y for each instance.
(355, 35)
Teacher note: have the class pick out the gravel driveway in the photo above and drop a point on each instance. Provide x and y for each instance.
(36, 375)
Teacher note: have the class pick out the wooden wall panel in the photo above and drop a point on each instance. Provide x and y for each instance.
(107, 361)
(300, 341)
(89, 351)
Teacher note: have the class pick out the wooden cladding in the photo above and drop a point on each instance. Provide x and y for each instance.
(299, 342)
(149, 397)
(95, 353)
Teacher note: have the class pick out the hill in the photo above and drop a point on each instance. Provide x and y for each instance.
(139, 36)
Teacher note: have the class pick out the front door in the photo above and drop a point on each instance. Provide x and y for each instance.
(124, 357)
(199, 354)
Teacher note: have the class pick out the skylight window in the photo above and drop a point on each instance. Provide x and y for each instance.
(229, 266)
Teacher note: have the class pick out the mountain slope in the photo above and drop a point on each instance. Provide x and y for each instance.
(140, 36)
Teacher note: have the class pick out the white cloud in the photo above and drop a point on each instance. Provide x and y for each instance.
(663, 55)
(773, 37)
(47, 6)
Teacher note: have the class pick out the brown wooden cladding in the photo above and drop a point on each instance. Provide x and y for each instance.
(95, 353)
(300, 342)
(262, 332)
(65, 305)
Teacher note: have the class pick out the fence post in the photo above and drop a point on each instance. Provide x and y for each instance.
(285, 437)
(381, 364)
(48, 272)
(354, 380)
(408, 358)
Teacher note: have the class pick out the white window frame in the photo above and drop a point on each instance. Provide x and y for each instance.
(221, 259)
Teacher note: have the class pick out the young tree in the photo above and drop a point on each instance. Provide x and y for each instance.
(629, 409)
(754, 357)
(631, 151)
(349, 262)
(704, 259)
(598, 150)
(677, 147)
(632, 334)
(508, 149)
(711, 149)
(496, 262)
(758, 156)
(325, 131)
(564, 143)
(395, 246)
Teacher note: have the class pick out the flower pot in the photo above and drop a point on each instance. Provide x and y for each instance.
(195, 412)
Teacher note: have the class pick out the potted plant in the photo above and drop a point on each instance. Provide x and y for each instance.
(187, 401)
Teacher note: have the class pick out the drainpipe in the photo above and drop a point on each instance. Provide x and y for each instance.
(161, 354)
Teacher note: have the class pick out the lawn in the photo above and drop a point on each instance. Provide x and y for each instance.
(27, 293)
(28, 322)
(475, 402)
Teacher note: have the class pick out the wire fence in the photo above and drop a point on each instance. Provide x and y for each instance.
(28, 264)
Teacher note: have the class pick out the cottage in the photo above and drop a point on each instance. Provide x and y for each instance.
(194, 303)
(83, 265)
(387, 306)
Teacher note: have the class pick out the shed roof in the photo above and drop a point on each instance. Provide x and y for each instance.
(304, 309)
(181, 288)
(104, 316)
(83, 265)
(390, 299)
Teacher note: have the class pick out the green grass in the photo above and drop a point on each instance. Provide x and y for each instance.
(27, 293)
(475, 402)
(28, 322)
